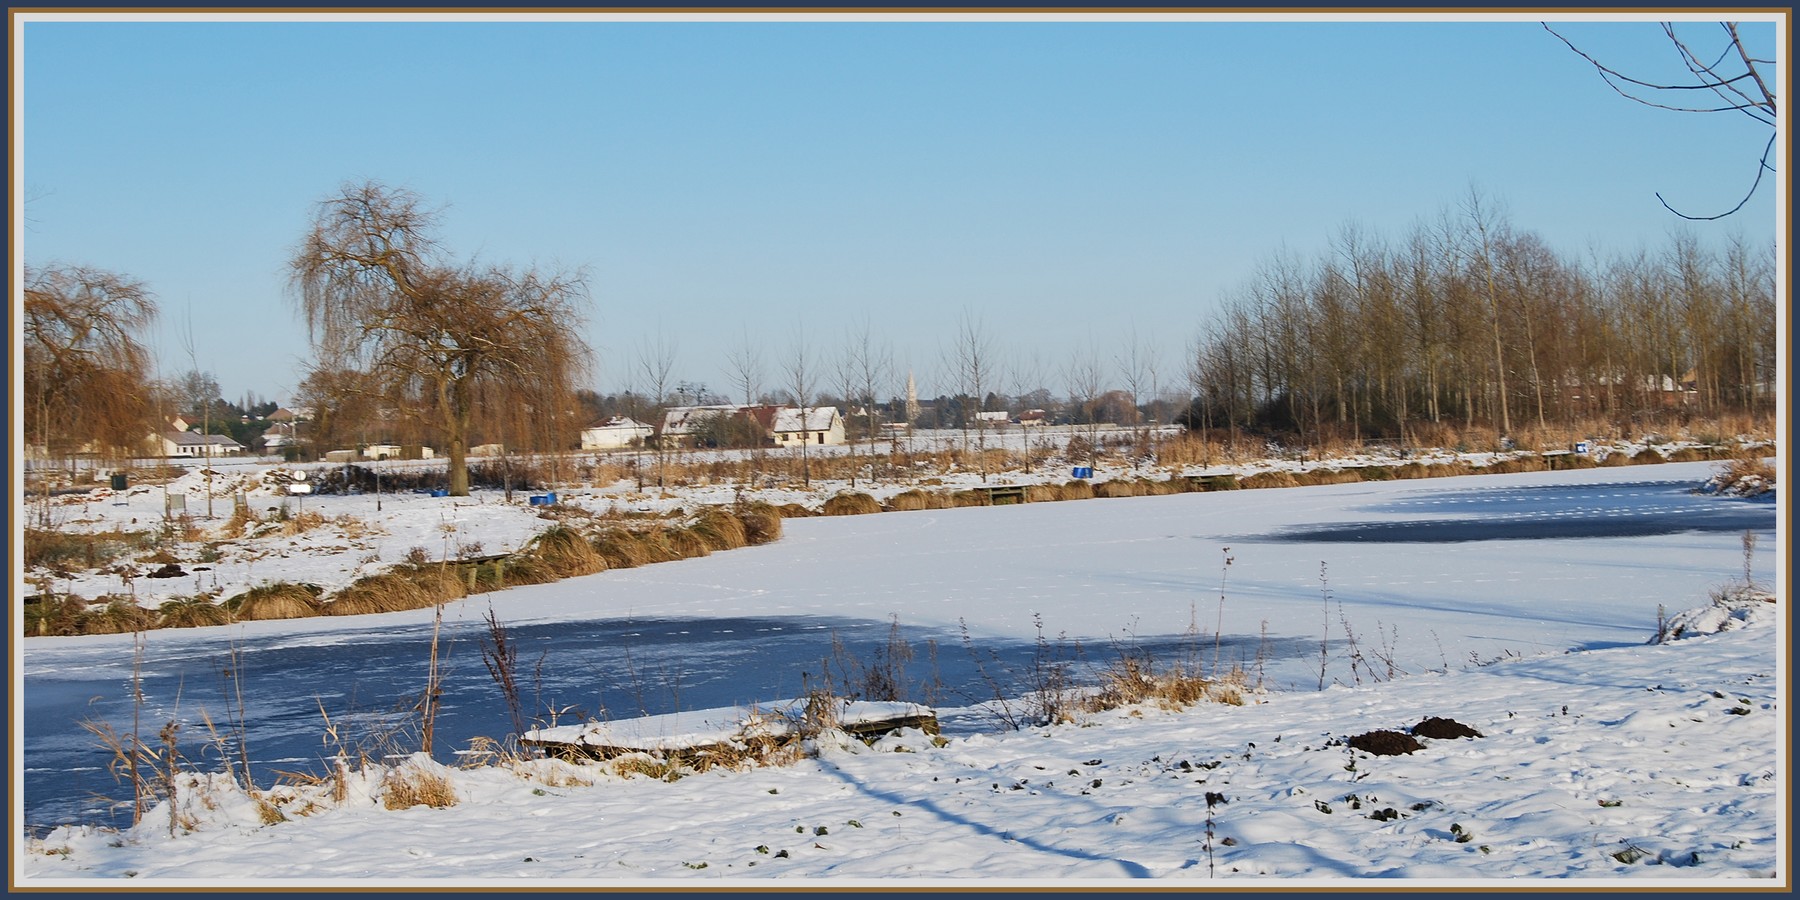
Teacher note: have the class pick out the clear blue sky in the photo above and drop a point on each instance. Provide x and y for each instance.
(1067, 182)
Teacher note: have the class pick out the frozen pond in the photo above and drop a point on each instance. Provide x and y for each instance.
(1440, 573)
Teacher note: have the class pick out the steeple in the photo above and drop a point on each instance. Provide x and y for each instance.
(912, 399)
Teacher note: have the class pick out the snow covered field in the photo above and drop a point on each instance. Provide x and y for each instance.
(1653, 763)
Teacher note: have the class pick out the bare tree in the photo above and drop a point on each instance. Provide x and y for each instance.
(86, 375)
(971, 358)
(872, 365)
(745, 363)
(1026, 375)
(802, 382)
(377, 294)
(1137, 366)
(1484, 222)
(656, 363)
(1084, 378)
(1733, 78)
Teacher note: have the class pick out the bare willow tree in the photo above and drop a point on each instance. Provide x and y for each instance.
(86, 375)
(1724, 77)
(379, 295)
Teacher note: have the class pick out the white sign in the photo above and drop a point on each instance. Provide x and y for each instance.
(299, 474)
(299, 488)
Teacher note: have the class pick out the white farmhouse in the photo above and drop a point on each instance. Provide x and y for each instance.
(616, 432)
(823, 425)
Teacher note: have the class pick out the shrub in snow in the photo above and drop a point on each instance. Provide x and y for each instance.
(1739, 607)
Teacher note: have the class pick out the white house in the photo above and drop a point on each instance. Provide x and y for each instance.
(192, 445)
(618, 431)
(823, 425)
(683, 422)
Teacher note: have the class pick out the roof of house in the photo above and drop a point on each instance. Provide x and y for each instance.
(619, 423)
(687, 419)
(195, 439)
(818, 418)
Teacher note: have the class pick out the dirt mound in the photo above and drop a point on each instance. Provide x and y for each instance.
(1448, 729)
(1385, 743)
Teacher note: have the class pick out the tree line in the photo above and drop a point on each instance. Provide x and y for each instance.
(1470, 322)
(1463, 322)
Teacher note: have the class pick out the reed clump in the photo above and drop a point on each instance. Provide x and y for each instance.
(277, 600)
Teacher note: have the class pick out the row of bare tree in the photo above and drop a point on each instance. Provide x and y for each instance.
(1469, 320)
(1465, 320)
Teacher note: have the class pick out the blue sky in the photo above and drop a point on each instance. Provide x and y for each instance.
(1066, 182)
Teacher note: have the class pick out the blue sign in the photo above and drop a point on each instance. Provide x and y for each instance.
(1084, 471)
(1581, 446)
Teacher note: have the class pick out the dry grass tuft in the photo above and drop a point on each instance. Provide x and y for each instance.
(191, 612)
(1078, 490)
(795, 511)
(909, 500)
(686, 544)
(851, 503)
(720, 529)
(1741, 468)
(762, 524)
(566, 552)
(1045, 493)
(383, 593)
(1268, 480)
(1122, 487)
(301, 522)
(279, 600)
(119, 615)
(1134, 679)
(409, 786)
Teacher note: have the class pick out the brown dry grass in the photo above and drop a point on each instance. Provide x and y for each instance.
(1276, 479)
(1748, 467)
(566, 552)
(909, 500)
(406, 787)
(278, 600)
(762, 524)
(383, 593)
(849, 503)
(191, 612)
(720, 529)
(1132, 680)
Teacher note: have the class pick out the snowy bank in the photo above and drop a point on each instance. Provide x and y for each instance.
(1652, 764)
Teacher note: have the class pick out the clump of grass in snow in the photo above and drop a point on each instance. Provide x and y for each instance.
(383, 593)
(416, 783)
(720, 529)
(277, 600)
(191, 612)
(850, 503)
(566, 552)
(762, 524)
